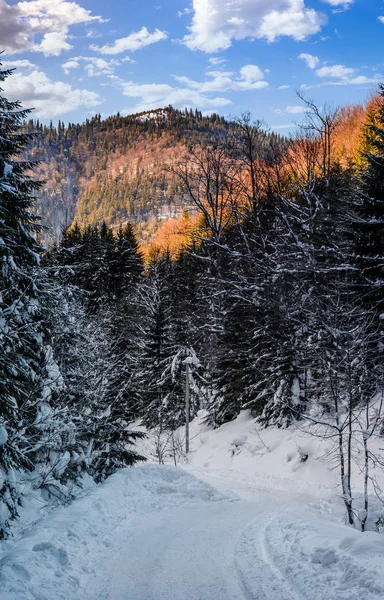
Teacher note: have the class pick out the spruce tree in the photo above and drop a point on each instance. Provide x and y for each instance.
(370, 222)
(129, 263)
(104, 267)
(128, 266)
(160, 382)
(20, 330)
(93, 403)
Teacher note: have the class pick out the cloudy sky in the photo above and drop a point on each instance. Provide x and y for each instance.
(73, 59)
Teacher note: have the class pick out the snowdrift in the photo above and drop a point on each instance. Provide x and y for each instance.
(273, 458)
(56, 559)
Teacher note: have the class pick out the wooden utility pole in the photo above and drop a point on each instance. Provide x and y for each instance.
(187, 408)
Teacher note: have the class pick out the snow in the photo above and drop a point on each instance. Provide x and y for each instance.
(152, 115)
(242, 448)
(8, 170)
(244, 519)
(66, 550)
(5, 187)
(337, 562)
(3, 435)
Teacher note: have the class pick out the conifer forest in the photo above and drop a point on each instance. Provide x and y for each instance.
(269, 285)
(191, 300)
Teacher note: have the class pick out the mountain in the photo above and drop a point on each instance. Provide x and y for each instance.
(115, 170)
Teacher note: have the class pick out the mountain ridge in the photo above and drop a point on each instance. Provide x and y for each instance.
(115, 170)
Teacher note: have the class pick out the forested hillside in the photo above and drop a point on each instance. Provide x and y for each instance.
(120, 169)
(116, 170)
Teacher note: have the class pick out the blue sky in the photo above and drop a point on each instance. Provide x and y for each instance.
(74, 59)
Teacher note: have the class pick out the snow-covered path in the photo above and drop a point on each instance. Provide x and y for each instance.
(185, 553)
(160, 533)
(197, 552)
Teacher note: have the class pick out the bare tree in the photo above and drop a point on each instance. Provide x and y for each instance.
(256, 175)
(166, 444)
(247, 146)
(369, 424)
(303, 158)
(322, 121)
(206, 177)
(339, 351)
(158, 444)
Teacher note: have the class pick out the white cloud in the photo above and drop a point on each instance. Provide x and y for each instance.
(186, 11)
(291, 110)
(284, 87)
(160, 95)
(18, 64)
(93, 66)
(334, 71)
(343, 75)
(54, 43)
(295, 110)
(49, 98)
(216, 23)
(91, 33)
(298, 24)
(250, 77)
(343, 3)
(251, 73)
(99, 66)
(194, 93)
(312, 61)
(217, 60)
(150, 92)
(22, 22)
(358, 80)
(337, 71)
(70, 65)
(134, 41)
(381, 19)
(285, 126)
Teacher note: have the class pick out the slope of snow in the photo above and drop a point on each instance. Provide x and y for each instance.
(58, 559)
(290, 458)
(331, 560)
(245, 519)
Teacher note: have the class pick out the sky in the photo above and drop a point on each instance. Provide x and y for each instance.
(75, 59)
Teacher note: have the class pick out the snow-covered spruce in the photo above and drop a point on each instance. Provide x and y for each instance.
(54, 427)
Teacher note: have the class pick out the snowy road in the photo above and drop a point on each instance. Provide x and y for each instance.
(196, 552)
(192, 553)
(185, 553)
(160, 533)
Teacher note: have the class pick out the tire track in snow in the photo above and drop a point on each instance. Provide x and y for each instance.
(257, 571)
